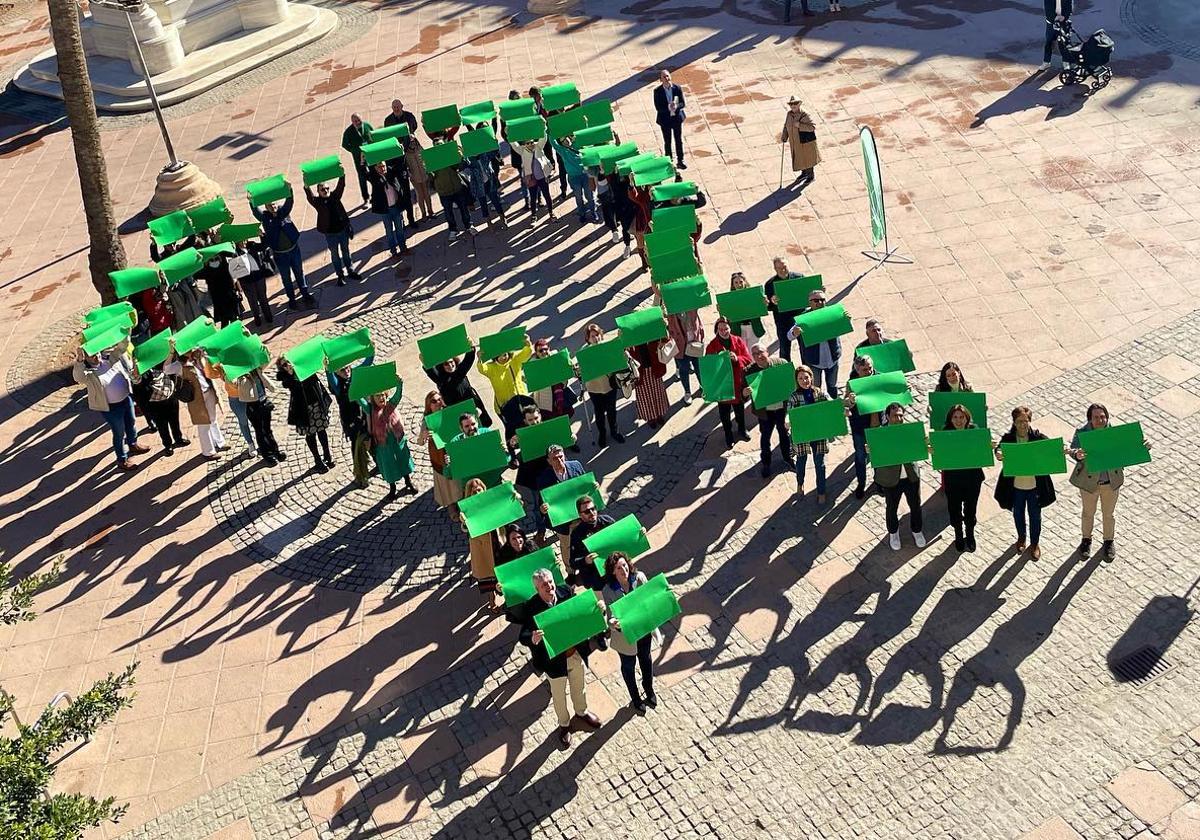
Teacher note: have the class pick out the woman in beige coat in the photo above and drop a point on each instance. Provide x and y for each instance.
(800, 134)
(203, 407)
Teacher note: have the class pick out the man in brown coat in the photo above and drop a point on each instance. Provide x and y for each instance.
(800, 133)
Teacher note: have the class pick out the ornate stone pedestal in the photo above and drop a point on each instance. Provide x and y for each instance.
(182, 188)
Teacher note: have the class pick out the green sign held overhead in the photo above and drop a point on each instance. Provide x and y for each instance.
(493, 508)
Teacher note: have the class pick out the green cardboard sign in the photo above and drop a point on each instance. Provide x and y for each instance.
(513, 109)
(899, 443)
(130, 281)
(399, 131)
(479, 142)
(570, 622)
(169, 229)
(961, 449)
(557, 97)
(189, 338)
(308, 357)
(210, 251)
(440, 119)
(480, 456)
(940, 403)
(477, 112)
(441, 156)
(642, 327)
(673, 265)
(793, 292)
(240, 233)
(349, 348)
(444, 425)
(269, 190)
(625, 535)
(103, 313)
(243, 356)
(443, 346)
(819, 420)
(599, 112)
(626, 165)
(516, 576)
(225, 337)
(566, 123)
(380, 151)
(153, 351)
(601, 359)
(548, 370)
(771, 385)
(742, 304)
(111, 338)
(1114, 447)
(328, 168)
(888, 357)
(656, 174)
(674, 190)
(561, 498)
(120, 321)
(659, 243)
(585, 137)
(505, 341)
(716, 377)
(525, 129)
(536, 439)
(876, 393)
(367, 380)
(685, 295)
(180, 265)
(681, 216)
(822, 324)
(610, 157)
(645, 609)
(1034, 457)
(493, 508)
(210, 214)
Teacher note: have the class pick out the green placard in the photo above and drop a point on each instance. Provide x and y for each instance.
(349, 348)
(381, 150)
(875, 393)
(169, 229)
(243, 356)
(570, 622)
(399, 131)
(662, 242)
(440, 119)
(626, 165)
(328, 168)
(642, 327)
(597, 360)
(113, 336)
(130, 281)
(493, 508)
(716, 377)
(625, 535)
(479, 142)
(227, 336)
(646, 608)
(479, 456)
(568, 122)
(210, 214)
(525, 129)
(180, 265)
(961, 449)
(512, 109)
(209, 251)
(443, 346)
(240, 233)
(610, 156)
(153, 351)
(822, 324)
(819, 420)
(672, 191)
(560, 498)
(673, 265)
(742, 304)
(444, 425)
(657, 173)
(477, 112)
(308, 357)
(441, 156)
(103, 313)
(899, 443)
(677, 216)
(685, 295)
(120, 321)
(269, 190)
(516, 576)
(771, 385)
(536, 439)
(548, 370)
(889, 356)
(593, 136)
(940, 403)
(189, 338)
(793, 292)
(1114, 447)
(505, 341)
(366, 380)
(599, 112)
(557, 97)
(1034, 457)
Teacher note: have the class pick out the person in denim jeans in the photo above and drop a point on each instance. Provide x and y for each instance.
(859, 423)
(806, 394)
(108, 378)
(388, 189)
(453, 194)
(578, 178)
(687, 332)
(485, 185)
(282, 237)
(334, 222)
(1025, 496)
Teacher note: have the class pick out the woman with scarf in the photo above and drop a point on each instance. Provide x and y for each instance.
(308, 411)
(621, 576)
(806, 394)
(353, 417)
(388, 443)
(446, 491)
(739, 356)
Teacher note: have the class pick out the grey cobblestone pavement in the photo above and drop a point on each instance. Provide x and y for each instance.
(909, 695)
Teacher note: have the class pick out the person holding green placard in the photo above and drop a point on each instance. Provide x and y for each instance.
(639, 199)
(236, 406)
(333, 222)
(859, 423)
(506, 374)
(687, 334)
(806, 394)
(389, 199)
(581, 563)
(483, 175)
(1100, 488)
(602, 393)
(446, 491)
(771, 418)
(876, 334)
(203, 407)
(250, 267)
(414, 167)
(556, 400)
(536, 170)
(308, 411)
(950, 380)
(822, 357)
(451, 379)
(622, 576)
(581, 185)
(389, 444)
(784, 321)
(353, 415)
(649, 393)
(254, 393)
(108, 378)
(354, 137)
(739, 356)
(451, 186)
(469, 427)
(282, 237)
(557, 470)
(399, 114)
(962, 487)
(1025, 494)
(610, 208)
(749, 331)
(226, 304)
(895, 484)
(514, 544)
(163, 404)
(482, 551)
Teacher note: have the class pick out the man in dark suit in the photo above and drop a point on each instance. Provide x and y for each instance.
(562, 671)
(668, 106)
(558, 469)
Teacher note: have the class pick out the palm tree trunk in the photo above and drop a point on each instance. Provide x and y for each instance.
(106, 252)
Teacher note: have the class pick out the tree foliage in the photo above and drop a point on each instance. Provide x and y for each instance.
(17, 598)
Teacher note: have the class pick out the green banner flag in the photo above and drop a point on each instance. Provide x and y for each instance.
(793, 292)
(243, 356)
(479, 142)
(940, 403)
(493, 508)
(210, 214)
(597, 360)
(817, 325)
(440, 119)
(716, 377)
(366, 380)
(240, 233)
(673, 265)
(685, 295)
(441, 156)
(380, 151)
(514, 109)
(570, 622)
(397, 132)
(1034, 457)
(130, 281)
(561, 498)
(103, 313)
(169, 229)
(269, 190)
(771, 385)
(120, 321)
(625, 535)
(820, 420)
(505, 341)
(328, 168)
(681, 216)
(110, 338)
(1114, 447)
(153, 351)
(566, 123)
(961, 449)
(189, 338)
(536, 439)
(557, 97)
(874, 186)
(477, 112)
(645, 609)
(548, 370)
(642, 327)
(899, 443)
(480, 456)
(876, 393)
(515, 577)
(444, 425)
(227, 336)
(346, 349)
(585, 137)
(742, 304)
(443, 346)
(525, 129)
(308, 357)
(669, 192)
(180, 265)
(599, 112)
(889, 356)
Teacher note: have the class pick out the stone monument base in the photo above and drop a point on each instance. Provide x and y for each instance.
(119, 87)
(181, 188)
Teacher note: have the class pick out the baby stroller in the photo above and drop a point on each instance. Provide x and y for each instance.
(1083, 59)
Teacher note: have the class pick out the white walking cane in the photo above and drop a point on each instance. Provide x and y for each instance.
(782, 147)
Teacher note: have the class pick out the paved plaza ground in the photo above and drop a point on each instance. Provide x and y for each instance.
(314, 661)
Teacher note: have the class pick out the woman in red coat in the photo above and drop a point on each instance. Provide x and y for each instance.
(739, 356)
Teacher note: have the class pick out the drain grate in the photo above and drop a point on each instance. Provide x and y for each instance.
(1141, 666)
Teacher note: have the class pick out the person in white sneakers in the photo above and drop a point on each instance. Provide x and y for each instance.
(1056, 11)
(900, 480)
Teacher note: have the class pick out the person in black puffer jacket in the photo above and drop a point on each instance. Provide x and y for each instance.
(308, 411)
(334, 222)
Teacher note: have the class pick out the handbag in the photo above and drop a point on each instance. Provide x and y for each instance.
(807, 136)
(242, 265)
(695, 349)
(185, 390)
